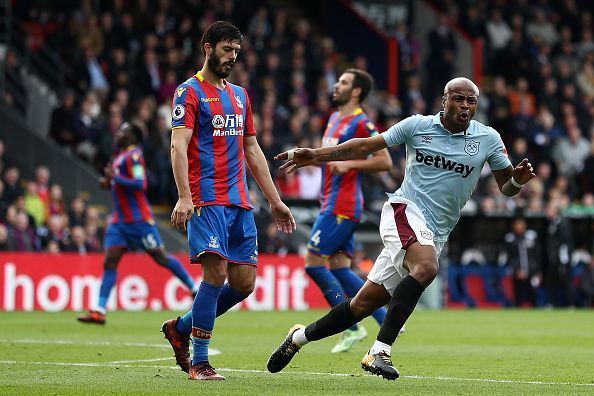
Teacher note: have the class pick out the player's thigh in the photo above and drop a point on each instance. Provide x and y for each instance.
(314, 260)
(332, 234)
(241, 278)
(420, 258)
(340, 260)
(371, 297)
(243, 237)
(208, 232)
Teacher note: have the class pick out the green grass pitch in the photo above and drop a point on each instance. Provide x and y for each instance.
(518, 352)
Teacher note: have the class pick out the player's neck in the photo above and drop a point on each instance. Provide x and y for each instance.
(348, 109)
(212, 78)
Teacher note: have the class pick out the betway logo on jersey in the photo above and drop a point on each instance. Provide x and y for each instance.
(441, 162)
(230, 125)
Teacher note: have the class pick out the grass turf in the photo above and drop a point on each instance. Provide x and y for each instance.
(442, 352)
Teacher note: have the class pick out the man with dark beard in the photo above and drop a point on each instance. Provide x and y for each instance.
(332, 238)
(213, 138)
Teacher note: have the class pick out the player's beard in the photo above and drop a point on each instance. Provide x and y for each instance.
(214, 64)
(341, 99)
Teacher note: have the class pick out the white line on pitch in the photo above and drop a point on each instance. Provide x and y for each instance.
(211, 351)
(439, 378)
(72, 342)
(139, 360)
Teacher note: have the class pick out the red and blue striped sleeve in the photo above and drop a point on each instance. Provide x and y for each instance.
(184, 108)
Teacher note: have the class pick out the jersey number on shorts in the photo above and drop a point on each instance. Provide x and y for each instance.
(149, 242)
(315, 238)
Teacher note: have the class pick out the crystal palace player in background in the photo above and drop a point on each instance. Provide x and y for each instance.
(212, 140)
(132, 223)
(445, 154)
(332, 238)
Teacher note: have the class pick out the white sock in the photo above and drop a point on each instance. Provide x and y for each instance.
(101, 310)
(379, 346)
(299, 337)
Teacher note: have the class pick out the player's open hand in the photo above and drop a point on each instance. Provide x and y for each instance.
(339, 167)
(296, 158)
(182, 213)
(283, 218)
(523, 172)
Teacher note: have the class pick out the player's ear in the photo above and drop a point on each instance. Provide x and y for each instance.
(207, 49)
(356, 92)
(443, 99)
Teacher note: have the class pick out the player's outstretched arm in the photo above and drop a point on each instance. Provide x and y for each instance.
(511, 180)
(378, 162)
(259, 167)
(184, 208)
(349, 150)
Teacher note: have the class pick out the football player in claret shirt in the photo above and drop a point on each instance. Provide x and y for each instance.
(132, 224)
(332, 238)
(212, 141)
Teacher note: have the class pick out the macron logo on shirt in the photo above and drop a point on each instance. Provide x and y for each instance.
(441, 162)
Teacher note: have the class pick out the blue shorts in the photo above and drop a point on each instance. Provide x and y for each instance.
(140, 234)
(228, 231)
(332, 234)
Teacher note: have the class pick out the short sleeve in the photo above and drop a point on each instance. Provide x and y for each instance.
(402, 131)
(249, 130)
(184, 108)
(365, 128)
(135, 165)
(497, 157)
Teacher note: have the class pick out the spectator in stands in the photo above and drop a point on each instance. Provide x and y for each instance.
(4, 245)
(34, 206)
(12, 185)
(78, 241)
(524, 258)
(77, 212)
(55, 230)
(56, 204)
(42, 179)
(16, 91)
(62, 128)
(559, 248)
(22, 236)
(571, 152)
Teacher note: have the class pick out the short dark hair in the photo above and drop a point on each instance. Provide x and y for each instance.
(362, 80)
(136, 132)
(220, 31)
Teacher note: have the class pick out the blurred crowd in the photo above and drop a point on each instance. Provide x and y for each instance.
(34, 215)
(125, 59)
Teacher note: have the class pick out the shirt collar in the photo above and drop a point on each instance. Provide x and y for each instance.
(437, 121)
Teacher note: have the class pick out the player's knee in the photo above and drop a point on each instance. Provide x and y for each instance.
(425, 271)
(245, 288)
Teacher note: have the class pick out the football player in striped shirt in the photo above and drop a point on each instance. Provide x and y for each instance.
(213, 140)
(132, 224)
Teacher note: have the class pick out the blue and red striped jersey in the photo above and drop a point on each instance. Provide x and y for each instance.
(219, 119)
(128, 188)
(341, 194)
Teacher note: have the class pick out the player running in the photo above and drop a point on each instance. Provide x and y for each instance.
(445, 153)
(212, 140)
(132, 224)
(332, 238)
